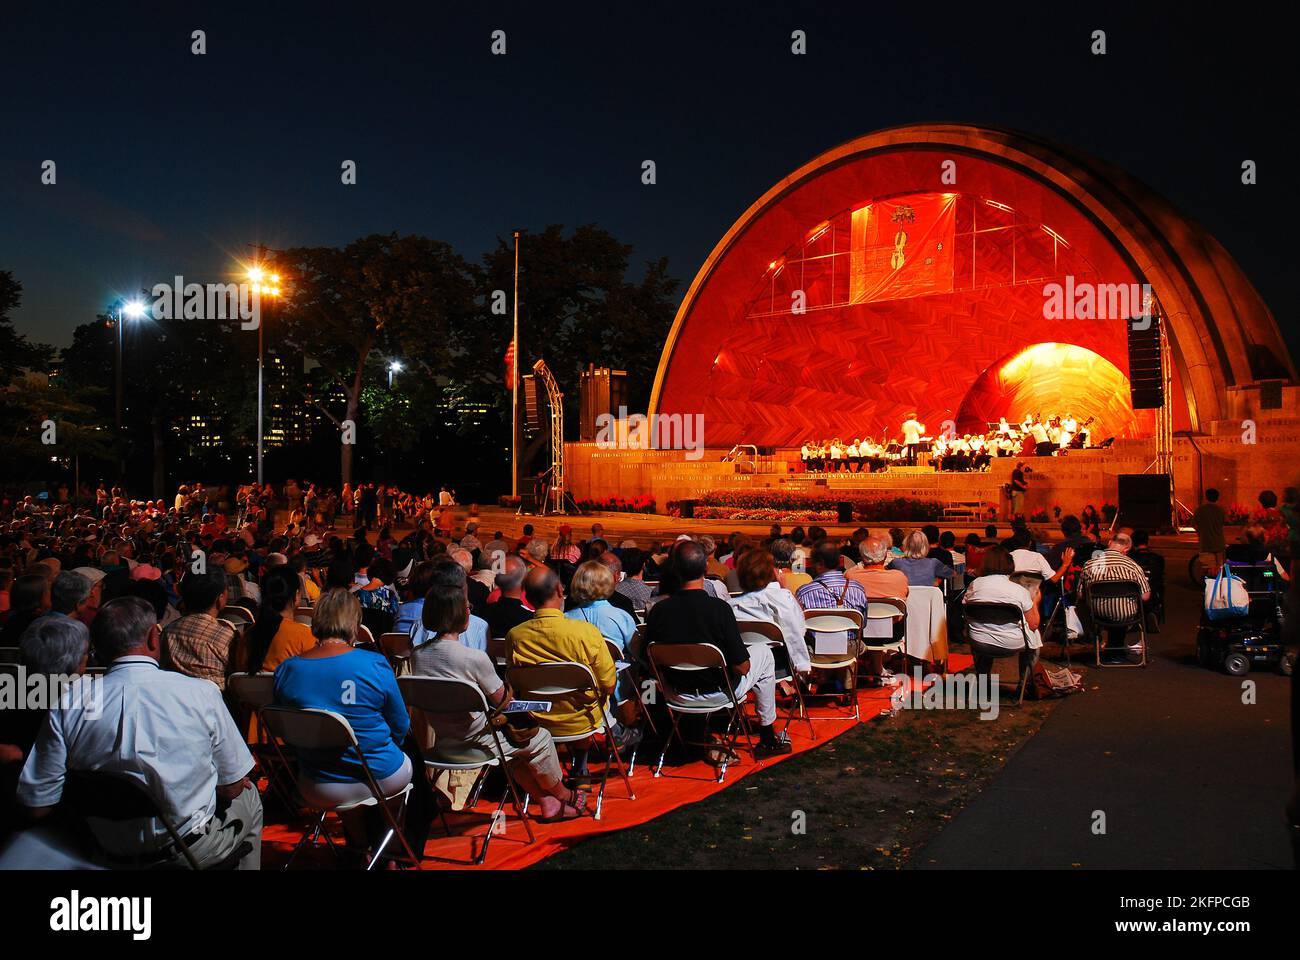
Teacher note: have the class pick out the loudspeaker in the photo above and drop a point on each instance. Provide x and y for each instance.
(532, 416)
(844, 512)
(1145, 500)
(1146, 380)
(688, 509)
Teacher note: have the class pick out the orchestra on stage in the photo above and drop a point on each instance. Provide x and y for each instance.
(1032, 436)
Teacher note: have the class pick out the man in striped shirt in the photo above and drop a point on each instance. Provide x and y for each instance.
(1112, 564)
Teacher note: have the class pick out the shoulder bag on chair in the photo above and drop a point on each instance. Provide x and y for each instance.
(1226, 596)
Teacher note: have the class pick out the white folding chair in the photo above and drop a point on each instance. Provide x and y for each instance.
(324, 731)
(879, 612)
(563, 680)
(1000, 614)
(769, 634)
(699, 659)
(435, 696)
(827, 627)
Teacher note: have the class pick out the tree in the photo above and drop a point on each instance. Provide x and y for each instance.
(383, 297)
(577, 306)
(16, 351)
(173, 370)
(51, 419)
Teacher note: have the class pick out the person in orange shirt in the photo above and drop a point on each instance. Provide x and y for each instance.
(277, 636)
(878, 582)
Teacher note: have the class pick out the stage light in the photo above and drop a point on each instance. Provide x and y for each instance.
(255, 275)
(133, 309)
(395, 366)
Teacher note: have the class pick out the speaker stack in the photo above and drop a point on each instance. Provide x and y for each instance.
(1145, 378)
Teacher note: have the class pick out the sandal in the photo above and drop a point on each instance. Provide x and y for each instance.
(577, 802)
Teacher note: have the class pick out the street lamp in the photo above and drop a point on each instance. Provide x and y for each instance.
(135, 310)
(264, 285)
(394, 367)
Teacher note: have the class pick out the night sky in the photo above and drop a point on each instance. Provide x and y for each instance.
(173, 163)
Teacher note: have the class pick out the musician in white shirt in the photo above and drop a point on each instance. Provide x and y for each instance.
(912, 431)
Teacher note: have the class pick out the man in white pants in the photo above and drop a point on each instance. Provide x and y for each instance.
(691, 615)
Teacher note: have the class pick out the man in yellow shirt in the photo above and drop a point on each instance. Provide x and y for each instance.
(549, 637)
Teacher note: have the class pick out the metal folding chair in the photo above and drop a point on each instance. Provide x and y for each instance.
(1097, 624)
(236, 614)
(698, 658)
(829, 622)
(1000, 614)
(561, 680)
(118, 797)
(769, 634)
(324, 731)
(435, 696)
(252, 692)
(396, 648)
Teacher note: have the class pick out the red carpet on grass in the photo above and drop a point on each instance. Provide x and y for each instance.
(677, 787)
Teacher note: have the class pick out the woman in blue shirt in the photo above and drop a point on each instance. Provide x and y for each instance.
(921, 570)
(359, 685)
(590, 590)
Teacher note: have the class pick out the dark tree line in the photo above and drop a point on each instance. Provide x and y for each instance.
(345, 315)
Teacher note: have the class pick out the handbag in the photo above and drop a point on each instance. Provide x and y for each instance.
(1226, 596)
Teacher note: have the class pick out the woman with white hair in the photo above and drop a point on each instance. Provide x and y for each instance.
(922, 570)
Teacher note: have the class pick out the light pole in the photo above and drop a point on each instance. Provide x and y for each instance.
(267, 285)
(133, 309)
(394, 367)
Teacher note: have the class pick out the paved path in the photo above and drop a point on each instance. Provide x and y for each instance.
(1186, 774)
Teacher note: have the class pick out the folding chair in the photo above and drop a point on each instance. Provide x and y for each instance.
(303, 615)
(561, 680)
(1097, 624)
(698, 658)
(118, 797)
(1000, 614)
(232, 613)
(396, 648)
(435, 696)
(625, 663)
(879, 610)
(760, 631)
(831, 622)
(252, 692)
(496, 651)
(365, 639)
(322, 731)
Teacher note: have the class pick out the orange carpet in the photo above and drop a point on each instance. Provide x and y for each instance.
(677, 787)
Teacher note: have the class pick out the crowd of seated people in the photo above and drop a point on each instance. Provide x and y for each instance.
(156, 600)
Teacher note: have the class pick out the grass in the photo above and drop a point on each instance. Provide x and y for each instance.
(870, 799)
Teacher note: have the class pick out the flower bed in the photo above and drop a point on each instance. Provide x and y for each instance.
(776, 506)
(642, 504)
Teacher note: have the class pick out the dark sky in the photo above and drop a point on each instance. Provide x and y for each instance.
(173, 163)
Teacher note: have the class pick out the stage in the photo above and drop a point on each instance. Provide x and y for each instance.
(1221, 458)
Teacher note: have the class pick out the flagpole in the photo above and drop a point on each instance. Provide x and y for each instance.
(514, 385)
